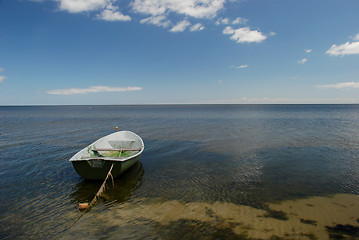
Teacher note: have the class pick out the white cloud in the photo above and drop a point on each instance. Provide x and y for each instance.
(272, 34)
(108, 12)
(356, 38)
(220, 82)
(159, 13)
(240, 66)
(2, 78)
(111, 13)
(196, 27)
(180, 26)
(92, 89)
(160, 21)
(152, 7)
(302, 61)
(228, 30)
(343, 85)
(193, 8)
(344, 49)
(245, 34)
(75, 6)
(308, 50)
(226, 21)
(222, 21)
(240, 20)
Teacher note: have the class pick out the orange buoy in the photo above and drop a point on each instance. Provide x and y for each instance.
(83, 206)
(116, 128)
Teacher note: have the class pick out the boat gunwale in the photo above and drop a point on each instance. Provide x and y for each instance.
(106, 158)
(110, 158)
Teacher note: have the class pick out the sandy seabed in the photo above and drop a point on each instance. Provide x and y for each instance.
(335, 217)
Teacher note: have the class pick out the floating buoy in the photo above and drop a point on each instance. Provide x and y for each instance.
(83, 206)
(116, 128)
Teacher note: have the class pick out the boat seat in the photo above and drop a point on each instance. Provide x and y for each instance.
(101, 158)
(114, 149)
(126, 140)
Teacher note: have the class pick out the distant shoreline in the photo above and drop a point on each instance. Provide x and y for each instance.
(181, 104)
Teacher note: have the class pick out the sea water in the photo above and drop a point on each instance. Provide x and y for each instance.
(207, 172)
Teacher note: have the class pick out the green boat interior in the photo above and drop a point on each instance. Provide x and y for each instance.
(114, 149)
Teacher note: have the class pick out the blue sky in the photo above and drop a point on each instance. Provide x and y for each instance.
(178, 51)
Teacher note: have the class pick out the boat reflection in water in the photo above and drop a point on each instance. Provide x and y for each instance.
(122, 190)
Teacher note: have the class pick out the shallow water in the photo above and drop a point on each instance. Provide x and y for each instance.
(196, 156)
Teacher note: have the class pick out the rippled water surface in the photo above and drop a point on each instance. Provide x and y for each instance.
(209, 157)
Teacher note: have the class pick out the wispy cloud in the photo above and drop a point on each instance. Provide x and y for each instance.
(302, 61)
(343, 85)
(160, 21)
(197, 27)
(92, 89)
(356, 37)
(294, 78)
(222, 21)
(180, 26)
(192, 8)
(111, 13)
(244, 35)
(272, 34)
(240, 66)
(2, 78)
(240, 20)
(227, 21)
(308, 50)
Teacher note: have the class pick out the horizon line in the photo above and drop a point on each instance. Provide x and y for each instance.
(169, 104)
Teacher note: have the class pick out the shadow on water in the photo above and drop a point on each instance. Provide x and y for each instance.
(121, 191)
(183, 170)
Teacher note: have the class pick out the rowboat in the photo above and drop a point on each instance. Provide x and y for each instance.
(122, 149)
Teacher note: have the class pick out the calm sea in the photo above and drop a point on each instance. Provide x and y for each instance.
(244, 155)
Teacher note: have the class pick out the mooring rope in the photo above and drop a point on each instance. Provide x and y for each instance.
(94, 200)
